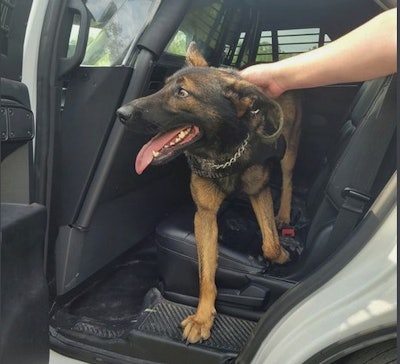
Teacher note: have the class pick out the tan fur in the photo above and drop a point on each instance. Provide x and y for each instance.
(290, 104)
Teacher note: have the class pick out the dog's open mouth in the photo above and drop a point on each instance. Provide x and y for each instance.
(165, 146)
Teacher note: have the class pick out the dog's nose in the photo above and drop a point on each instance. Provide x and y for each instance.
(124, 113)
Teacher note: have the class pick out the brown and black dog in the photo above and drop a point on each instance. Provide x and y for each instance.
(230, 132)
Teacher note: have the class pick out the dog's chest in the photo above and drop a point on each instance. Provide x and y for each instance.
(254, 179)
(251, 181)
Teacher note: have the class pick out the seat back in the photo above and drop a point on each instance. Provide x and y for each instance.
(361, 139)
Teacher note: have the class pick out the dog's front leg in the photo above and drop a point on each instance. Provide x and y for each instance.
(208, 200)
(264, 211)
(287, 165)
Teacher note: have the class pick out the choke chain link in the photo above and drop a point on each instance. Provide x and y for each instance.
(237, 155)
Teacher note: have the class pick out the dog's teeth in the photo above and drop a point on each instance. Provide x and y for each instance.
(155, 154)
(182, 134)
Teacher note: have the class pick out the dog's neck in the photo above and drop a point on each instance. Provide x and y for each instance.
(239, 158)
(217, 168)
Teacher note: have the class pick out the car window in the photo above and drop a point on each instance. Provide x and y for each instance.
(202, 25)
(225, 36)
(114, 27)
(276, 45)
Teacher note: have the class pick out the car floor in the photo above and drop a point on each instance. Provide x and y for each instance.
(115, 300)
(125, 313)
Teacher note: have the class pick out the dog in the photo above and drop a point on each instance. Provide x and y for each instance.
(230, 133)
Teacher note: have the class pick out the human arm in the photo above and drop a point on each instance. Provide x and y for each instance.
(367, 52)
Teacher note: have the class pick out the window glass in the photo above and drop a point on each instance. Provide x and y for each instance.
(238, 47)
(279, 44)
(202, 25)
(114, 27)
(295, 41)
(264, 53)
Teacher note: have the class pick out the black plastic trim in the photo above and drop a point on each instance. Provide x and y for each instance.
(70, 63)
(49, 94)
(91, 354)
(24, 292)
(164, 23)
(141, 74)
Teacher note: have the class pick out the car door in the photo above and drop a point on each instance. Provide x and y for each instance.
(24, 293)
(91, 58)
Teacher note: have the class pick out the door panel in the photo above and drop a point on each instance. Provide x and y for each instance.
(92, 96)
(24, 294)
(23, 287)
(99, 206)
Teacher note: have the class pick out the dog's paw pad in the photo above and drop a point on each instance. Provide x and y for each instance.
(196, 330)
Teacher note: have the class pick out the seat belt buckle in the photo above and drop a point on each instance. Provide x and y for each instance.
(288, 232)
(357, 195)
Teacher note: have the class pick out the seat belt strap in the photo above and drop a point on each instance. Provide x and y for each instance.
(355, 201)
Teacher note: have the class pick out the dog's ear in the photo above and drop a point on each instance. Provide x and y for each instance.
(242, 95)
(246, 97)
(194, 57)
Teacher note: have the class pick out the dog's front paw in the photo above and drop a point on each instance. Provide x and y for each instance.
(283, 257)
(281, 221)
(197, 328)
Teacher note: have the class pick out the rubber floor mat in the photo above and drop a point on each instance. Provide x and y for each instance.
(162, 318)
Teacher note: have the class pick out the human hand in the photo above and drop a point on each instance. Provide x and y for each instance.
(263, 76)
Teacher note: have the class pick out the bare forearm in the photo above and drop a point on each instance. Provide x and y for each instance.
(367, 52)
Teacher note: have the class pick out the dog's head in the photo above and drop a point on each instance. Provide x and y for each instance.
(200, 108)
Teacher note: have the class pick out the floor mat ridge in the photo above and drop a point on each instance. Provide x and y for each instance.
(163, 317)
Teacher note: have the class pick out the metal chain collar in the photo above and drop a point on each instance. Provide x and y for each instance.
(238, 154)
(210, 168)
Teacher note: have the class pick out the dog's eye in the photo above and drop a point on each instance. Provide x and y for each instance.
(181, 92)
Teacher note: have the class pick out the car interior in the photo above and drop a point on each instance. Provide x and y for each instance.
(121, 255)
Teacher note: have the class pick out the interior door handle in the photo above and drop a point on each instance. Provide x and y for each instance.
(66, 64)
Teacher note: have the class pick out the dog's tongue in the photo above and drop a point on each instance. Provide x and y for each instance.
(145, 155)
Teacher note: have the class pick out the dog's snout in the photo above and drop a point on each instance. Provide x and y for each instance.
(125, 113)
(128, 112)
(137, 114)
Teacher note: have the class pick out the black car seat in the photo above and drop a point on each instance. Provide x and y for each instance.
(350, 180)
(244, 279)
